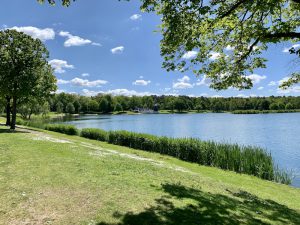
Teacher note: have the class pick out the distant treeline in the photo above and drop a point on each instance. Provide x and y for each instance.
(72, 103)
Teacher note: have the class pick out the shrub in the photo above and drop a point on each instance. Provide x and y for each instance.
(95, 134)
(62, 128)
(242, 159)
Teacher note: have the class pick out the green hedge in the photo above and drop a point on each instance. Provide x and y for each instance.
(62, 128)
(242, 159)
(94, 134)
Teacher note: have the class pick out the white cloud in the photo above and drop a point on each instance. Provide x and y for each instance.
(214, 55)
(260, 88)
(85, 75)
(117, 92)
(291, 90)
(136, 17)
(286, 50)
(59, 65)
(96, 44)
(229, 48)
(183, 83)
(256, 78)
(141, 82)
(190, 55)
(117, 50)
(184, 79)
(86, 83)
(278, 83)
(204, 81)
(72, 40)
(272, 83)
(60, 81)
(42, 34)
(141, 77)
(242, 96)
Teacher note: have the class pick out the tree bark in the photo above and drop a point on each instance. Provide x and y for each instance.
(8, 110)
(14, 114)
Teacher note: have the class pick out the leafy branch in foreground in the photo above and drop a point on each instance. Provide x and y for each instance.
(226, 37)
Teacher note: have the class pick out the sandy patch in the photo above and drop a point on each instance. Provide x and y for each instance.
(104, 152)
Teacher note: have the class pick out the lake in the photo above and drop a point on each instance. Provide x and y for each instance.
(278, 133)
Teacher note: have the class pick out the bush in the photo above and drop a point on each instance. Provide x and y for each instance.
(95, 134)
(242, 159)
(62, 128)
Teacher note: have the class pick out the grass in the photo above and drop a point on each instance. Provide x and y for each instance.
(51, 178)
(242, 159)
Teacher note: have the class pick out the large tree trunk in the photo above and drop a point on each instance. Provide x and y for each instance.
(8, 110)
(14, 114)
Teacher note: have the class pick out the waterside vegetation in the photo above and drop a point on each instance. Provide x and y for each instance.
(241, 159)
(53, 178)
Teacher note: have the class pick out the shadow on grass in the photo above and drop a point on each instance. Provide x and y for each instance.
(5, 130)
(206, 208)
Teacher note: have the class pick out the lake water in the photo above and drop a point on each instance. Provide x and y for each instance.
(278, 133)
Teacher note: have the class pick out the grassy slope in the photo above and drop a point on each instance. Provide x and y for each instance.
(83, 182)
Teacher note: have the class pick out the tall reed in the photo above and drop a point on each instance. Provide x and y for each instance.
(241, 159)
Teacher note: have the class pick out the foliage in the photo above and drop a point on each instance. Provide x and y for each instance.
(118, 108)
(70, 108)
(62, 128)
(241, 159)
(59, 107)
(94, 134)
(183, 103)
(24, 70)
(227, 37)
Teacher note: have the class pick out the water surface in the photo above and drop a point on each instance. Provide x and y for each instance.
(278, 133)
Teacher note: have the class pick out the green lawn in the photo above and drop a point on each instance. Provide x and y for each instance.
(50, 178)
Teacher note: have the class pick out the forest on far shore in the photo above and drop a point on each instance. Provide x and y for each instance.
(72, 103)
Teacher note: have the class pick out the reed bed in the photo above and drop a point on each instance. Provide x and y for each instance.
(241, 159)
(62, 128)
(264, 111)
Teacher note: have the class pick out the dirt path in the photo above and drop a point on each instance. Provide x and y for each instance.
(98, 151)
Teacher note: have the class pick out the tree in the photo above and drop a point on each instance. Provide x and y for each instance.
(59, 107)
(77, 106)
(226, 38)
(274, 106)
(263, 105)
(70, 108)
(24, 69)
(118, 107)
(289, 106)
(26, 109)
(180, 104)
(45, 109)
(103, 106)
(93, 106)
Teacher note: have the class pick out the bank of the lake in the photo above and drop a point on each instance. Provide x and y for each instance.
(49, 177)
(278, 133)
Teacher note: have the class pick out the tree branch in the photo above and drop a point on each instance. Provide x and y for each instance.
(248, 52)
(292, 35)
(233, 7)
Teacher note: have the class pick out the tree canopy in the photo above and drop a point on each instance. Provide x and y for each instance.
(223, 40)
(24, 69)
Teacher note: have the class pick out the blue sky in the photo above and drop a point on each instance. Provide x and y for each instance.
(109, 46)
